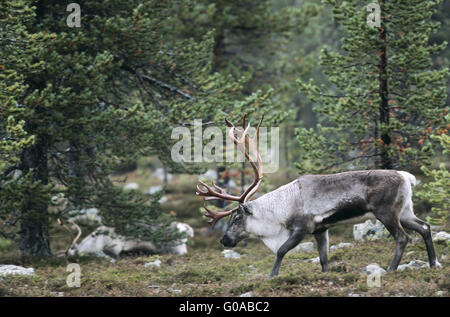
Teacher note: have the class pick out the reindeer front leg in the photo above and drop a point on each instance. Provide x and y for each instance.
(322, 244)
(296, 236)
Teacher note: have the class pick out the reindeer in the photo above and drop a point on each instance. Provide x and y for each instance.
(311, 204)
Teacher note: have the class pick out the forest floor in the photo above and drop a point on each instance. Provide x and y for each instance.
(204, 271)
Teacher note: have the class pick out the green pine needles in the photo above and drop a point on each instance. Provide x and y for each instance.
(385, 100)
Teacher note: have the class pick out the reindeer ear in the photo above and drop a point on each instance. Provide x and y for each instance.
(247, 210)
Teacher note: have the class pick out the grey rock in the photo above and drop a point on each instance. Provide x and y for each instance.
(230, 254)
(441, 237)
(156, 263)
(248, 294)
(373, 268)
(163, 200)
(172, 290)
(313, 260)
(341, 245)
(369, 231)
(251, 267)
(154, 286)
(304, 247)
(15, 270)
(154, 189)
(131, 186)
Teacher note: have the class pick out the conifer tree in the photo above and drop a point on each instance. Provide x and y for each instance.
(385, 98)
(14, 37)
(437, 191)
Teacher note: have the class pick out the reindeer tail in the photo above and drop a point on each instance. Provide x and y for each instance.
(408, 177)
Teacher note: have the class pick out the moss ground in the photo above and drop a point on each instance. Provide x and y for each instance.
(205, 272)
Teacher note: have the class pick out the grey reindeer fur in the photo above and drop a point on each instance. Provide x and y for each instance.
(312, 204)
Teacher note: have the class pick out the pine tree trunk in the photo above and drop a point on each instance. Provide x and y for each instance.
(386, 161)
(218, 51)
(34, 235)
(34, 238)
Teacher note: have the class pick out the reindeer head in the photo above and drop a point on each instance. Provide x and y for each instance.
(236, 230)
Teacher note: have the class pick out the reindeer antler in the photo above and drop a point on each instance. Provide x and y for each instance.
(241, 142)
(77, 227)
(77, 236)
(253, 149)
(217, 215)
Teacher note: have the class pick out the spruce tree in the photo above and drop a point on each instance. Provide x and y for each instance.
(14, 50)
(437, 191)
(384, 98)
(18, 189)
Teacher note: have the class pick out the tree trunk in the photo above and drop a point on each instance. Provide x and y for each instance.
(34, 235)
(218, 50)
(386, 161)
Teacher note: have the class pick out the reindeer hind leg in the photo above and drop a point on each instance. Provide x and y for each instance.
(392, 224)
(424, 230)
(409, 220)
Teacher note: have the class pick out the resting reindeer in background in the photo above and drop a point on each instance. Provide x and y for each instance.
(312, 204)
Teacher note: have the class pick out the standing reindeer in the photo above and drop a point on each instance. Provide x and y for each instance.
(312, 204)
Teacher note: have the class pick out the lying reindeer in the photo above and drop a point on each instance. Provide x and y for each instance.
(312, 204)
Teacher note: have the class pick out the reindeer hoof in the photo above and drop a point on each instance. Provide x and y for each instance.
(436, 264)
